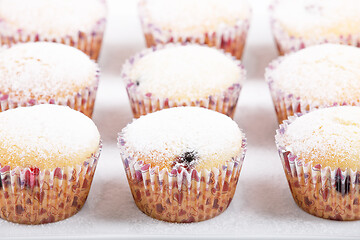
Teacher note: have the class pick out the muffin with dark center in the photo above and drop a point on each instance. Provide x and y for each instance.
(320, 154)
(182, 163)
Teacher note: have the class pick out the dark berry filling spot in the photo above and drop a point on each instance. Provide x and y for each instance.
(342, 188)
(187, 159)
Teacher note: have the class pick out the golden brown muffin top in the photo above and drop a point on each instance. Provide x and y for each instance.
(46, 136)
(318, 19)
(322, 74)
(45, 70)
(51, 18)
(329, 136)
(192, 137)
(186, 72)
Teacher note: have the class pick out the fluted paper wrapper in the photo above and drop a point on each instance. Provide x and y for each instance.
(321, 191)
(287, 105)
(180, 195)
(229, 38)
(286, 43)
(88, 42)
(143, 103)
(33, 196)
(82, 101)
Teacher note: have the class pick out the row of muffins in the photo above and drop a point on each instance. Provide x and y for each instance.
(220, 24)
(162, 206)
(326, 54)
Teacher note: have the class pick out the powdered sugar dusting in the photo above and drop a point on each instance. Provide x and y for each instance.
(310, 19)
(52, 18)
(324, 74)
(186, 72)
(329, 136)
(199, 16)
(45, 69)
(164, 136)
(46, 136)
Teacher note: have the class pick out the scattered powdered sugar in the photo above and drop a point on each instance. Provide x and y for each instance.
(322, 18)
(194, 16)
(52, 18)
(46, 136)
(186, 72)
(45, 69)
(210, 137)
(329, 136)
(325, 73)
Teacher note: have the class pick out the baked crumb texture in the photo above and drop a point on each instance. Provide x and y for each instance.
(185, 165)
(46, 171)
(42, 72)
(79, 23)
(320, 156)
(299, 24)
(176, 75)
(316, 77)
(222, 24)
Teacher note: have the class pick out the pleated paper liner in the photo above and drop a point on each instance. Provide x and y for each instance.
(229, 38)
(88, 42)
(321, 191)
(143, 103)
(180, 195)
(286, 43)
(33, 196)
(82, 101)
(287, 105)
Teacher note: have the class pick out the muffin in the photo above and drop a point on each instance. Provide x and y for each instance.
(78, 23)
(183, 163)
(182, 75)
(222, 24)
(320, 152)
(37, 73)
(48, 156)
(315, 77)
(299, 24)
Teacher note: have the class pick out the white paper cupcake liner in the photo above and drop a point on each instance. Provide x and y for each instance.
(180, 195)
(321, 191)
(286, 104)
(229, 38)
(143, 103)
(33, 196)
(88, 42)
(286, 43)
(82, 101)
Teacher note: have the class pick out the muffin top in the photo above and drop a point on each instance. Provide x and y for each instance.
(46, 136)
(52, 18)
(191, 17)
(192, 137)
(324, 74)
(329, 136)
(45, 70)
(186, 72)
(311, 19)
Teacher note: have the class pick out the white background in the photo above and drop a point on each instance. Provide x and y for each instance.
(262, 206)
